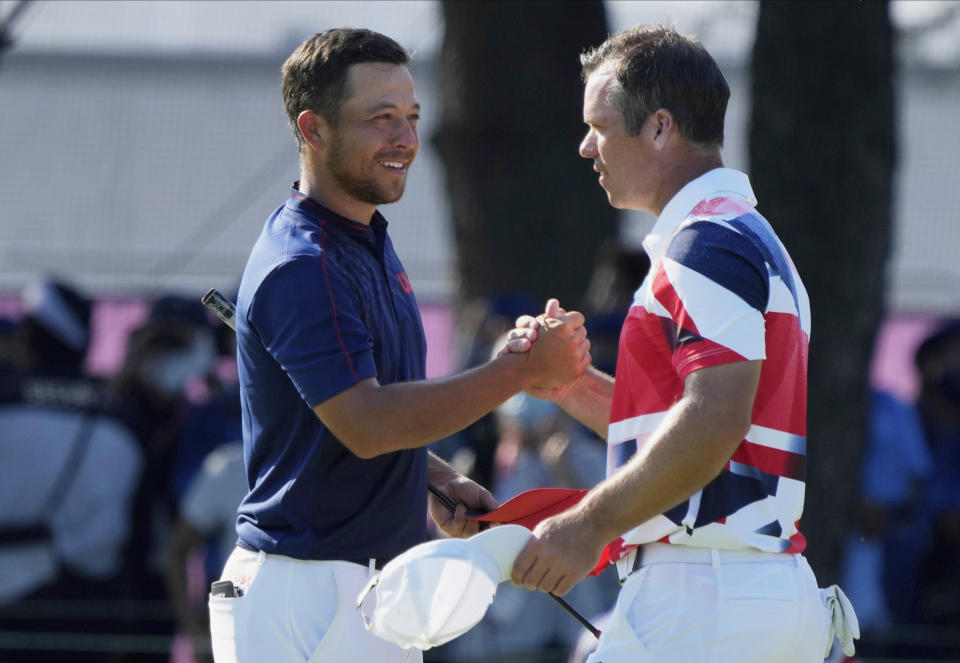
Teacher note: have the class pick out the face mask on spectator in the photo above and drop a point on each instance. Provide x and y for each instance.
(169, 372)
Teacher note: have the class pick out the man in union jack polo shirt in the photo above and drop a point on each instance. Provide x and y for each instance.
(706, 420)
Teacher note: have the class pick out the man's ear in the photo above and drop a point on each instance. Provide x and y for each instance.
(664, 126)
(313, 128)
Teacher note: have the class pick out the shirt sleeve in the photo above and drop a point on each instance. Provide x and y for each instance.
(715, 287)
(310, 321)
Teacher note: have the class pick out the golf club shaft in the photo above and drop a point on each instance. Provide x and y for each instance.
(444, 500)
(447, 502)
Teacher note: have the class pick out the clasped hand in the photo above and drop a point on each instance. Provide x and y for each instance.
(557, 347)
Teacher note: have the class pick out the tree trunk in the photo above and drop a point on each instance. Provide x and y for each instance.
(528, 213)
(822, 157)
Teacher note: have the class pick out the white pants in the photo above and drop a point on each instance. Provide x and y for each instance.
(755, 607)
(295, 611)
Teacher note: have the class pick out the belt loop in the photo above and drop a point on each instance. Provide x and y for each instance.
(372, 568)
(715, 558)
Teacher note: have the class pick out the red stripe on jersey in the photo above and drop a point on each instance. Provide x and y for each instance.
(333, 304)
(720, 207)
(702, 354)
(668, 297)
(771, 461)
(781, 401)
(645, 356)
(798, 542)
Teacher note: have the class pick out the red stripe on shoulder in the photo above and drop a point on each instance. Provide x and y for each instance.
(333, 304)
(718, 206)
(665, 294)
(702, 353)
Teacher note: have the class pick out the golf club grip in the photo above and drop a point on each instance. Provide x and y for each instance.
(222, 307)
(447, 502)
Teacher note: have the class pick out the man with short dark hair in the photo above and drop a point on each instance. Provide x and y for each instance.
(332, 361)
(706, 421)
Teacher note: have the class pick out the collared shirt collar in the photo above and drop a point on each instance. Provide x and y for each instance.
(315, 210)
(714, 183)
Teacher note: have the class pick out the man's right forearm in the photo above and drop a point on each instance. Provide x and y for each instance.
(372, 419)
(590, 399)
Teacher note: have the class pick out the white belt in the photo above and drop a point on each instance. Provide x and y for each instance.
(665, 553)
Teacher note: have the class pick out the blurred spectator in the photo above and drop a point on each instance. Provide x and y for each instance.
(207, 519)
(213, 414)
(539, 445)
(149, 386)
(172, 349)
(67, 475)
(618, 272)
(168, 392)
(882, 558)
(938, 361)
(471, 451)
(8, 329)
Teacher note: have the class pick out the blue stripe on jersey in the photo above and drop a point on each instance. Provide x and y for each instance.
(762, 235)
(729, 492)
(623, 452)
(676, 336)
(724, 256)
(773, 529)
(677, 513)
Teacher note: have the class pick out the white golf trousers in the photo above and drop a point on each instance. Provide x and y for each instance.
(295, 611)
(751, 608)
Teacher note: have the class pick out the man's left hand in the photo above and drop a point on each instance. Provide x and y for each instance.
(561, 553)
(467, 495)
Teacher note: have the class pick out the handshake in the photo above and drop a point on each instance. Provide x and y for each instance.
(555, 348)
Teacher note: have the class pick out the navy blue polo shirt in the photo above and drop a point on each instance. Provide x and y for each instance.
(323, 304)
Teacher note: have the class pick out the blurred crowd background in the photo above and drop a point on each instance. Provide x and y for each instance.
(142, 144)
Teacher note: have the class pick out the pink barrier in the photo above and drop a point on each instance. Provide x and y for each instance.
(114, 319)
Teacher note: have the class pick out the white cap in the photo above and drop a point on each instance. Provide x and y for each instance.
(441, 589)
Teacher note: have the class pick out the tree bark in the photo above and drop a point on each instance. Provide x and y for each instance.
(822, 155)
(528, 213)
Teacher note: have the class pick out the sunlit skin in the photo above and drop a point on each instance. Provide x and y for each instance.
(641, 172)
(361, 161)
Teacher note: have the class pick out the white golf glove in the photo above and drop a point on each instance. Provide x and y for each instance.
(843, 620)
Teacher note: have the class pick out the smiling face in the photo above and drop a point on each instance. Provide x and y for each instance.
(367, 153)
(626, 164)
